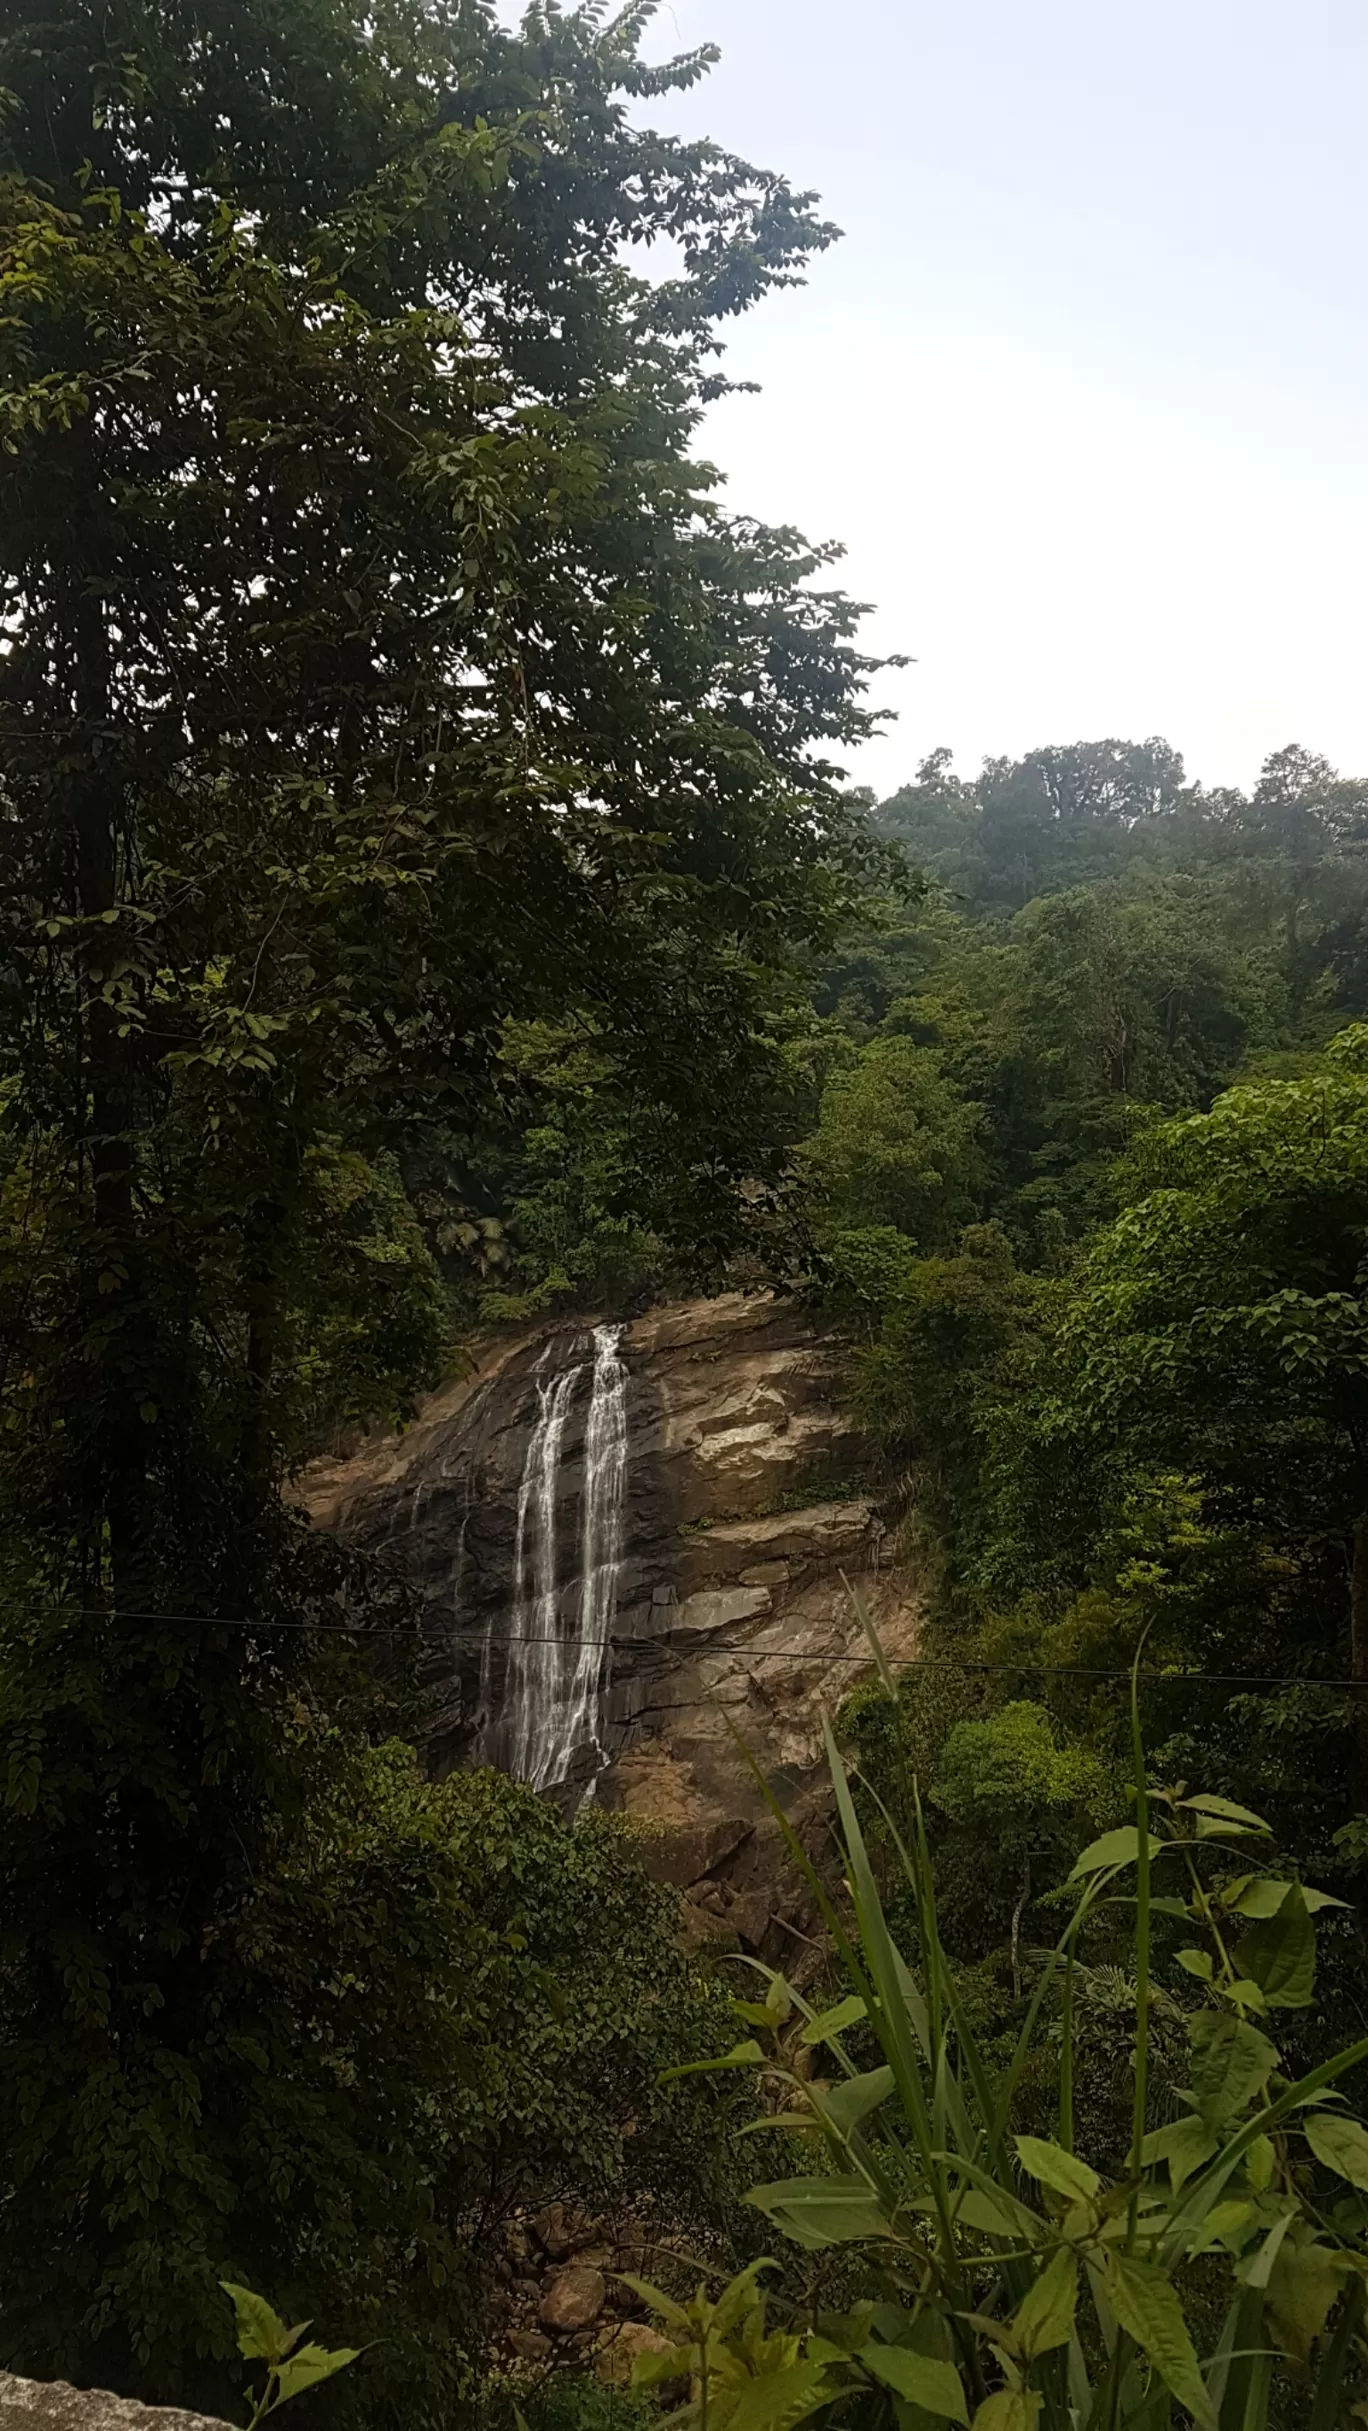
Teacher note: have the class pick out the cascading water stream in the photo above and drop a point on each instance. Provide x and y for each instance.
(558, 1655)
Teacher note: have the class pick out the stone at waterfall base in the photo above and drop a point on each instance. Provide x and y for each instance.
(533, 2346)
(574, 2299)
(54, 2405)
(615, 2359)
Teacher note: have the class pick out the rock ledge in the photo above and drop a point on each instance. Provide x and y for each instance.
(54, 2405)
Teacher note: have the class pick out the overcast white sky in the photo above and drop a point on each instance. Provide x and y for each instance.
(1082, 390)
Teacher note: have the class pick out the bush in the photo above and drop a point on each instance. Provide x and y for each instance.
(1003, 2274)
(412, 2007)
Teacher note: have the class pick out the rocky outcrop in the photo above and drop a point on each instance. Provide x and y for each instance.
(748, 1516)
(54, 2405)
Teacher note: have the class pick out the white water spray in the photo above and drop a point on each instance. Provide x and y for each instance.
(558, 1658)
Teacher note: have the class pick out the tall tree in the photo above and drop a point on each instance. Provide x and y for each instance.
(378, 667)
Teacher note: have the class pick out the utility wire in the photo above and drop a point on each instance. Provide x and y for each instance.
(421, 1635)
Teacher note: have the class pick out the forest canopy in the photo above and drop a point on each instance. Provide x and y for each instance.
(432, 899)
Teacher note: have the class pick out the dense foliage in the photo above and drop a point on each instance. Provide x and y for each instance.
(1125, 1394)
(428, 896)
(1209, 2270)
(398, 743)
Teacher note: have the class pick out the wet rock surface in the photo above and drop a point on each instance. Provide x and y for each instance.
(746, 1520)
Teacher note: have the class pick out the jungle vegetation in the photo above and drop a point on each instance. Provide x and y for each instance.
(430, 897)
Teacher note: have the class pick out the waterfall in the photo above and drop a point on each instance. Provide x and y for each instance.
(558, 1654)
(605, 1470)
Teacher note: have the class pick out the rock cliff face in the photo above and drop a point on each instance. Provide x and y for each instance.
(712, 1530)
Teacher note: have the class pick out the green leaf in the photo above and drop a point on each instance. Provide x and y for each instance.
(1232, 2062)
(1226, 1808)
(851, 2099)
(1147, 2308)
(739, 2296)
(1119, 1847)
(816, 2212)
(260, 2330)
(669, 2363)
(311, 2364)
(776, 2400)
(1054, 2167)
(1302, 2287)
(1008, 2410)
(741, 2055)
(1045, 2316)
(1262, 1895)
(978, 2211)
(1340, 2143)
(1279, 1954)
(1196, 1962)
(1260, 2161)
(920, 2379)
(834, 2021)
(1186, 2145)
(658, 2302)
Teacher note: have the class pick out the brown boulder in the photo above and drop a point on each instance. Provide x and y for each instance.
(573, 2299)
(618, 2353)
(700, 1930)
(749, 1916)
(552, 2231)
(54, 2405)
(532, 2345)
(687, 1855)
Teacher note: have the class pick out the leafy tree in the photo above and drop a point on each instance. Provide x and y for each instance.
(893, 1145)
(1223, 1314)
(428, 2004)
(379, 671)
(1010, 1786)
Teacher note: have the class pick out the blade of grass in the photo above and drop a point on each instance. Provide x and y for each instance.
(1142, 1943)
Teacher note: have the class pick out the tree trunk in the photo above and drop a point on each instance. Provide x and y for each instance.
(1358, 1643)
(114, 1310)
(1017, 1913)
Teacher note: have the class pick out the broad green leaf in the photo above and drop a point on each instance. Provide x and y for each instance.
(311, 2364)
(1045, 2316)
(1226, 2224)
(1232, 2062)
(1226, 1808)
(920, 2379)
(1008, 2410)
(739, 2295)
(1340, 2143)
(260, 2330)
(671, 2363)
(1196, 1962)
(1147, 2307)
(1263, 1895)
(741, 2055)
(1302, 2287)
(1119, 1847)
(1185, 2145)
(1279, 1953)
(1260, 2161)
(1054, 2167)
(658, 2302)
(822, 2211)
(978, 2211)
(851, 2099)
(777, 2400)
(834, 2021)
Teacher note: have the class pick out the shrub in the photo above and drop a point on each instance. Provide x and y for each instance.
(1005, 2277)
